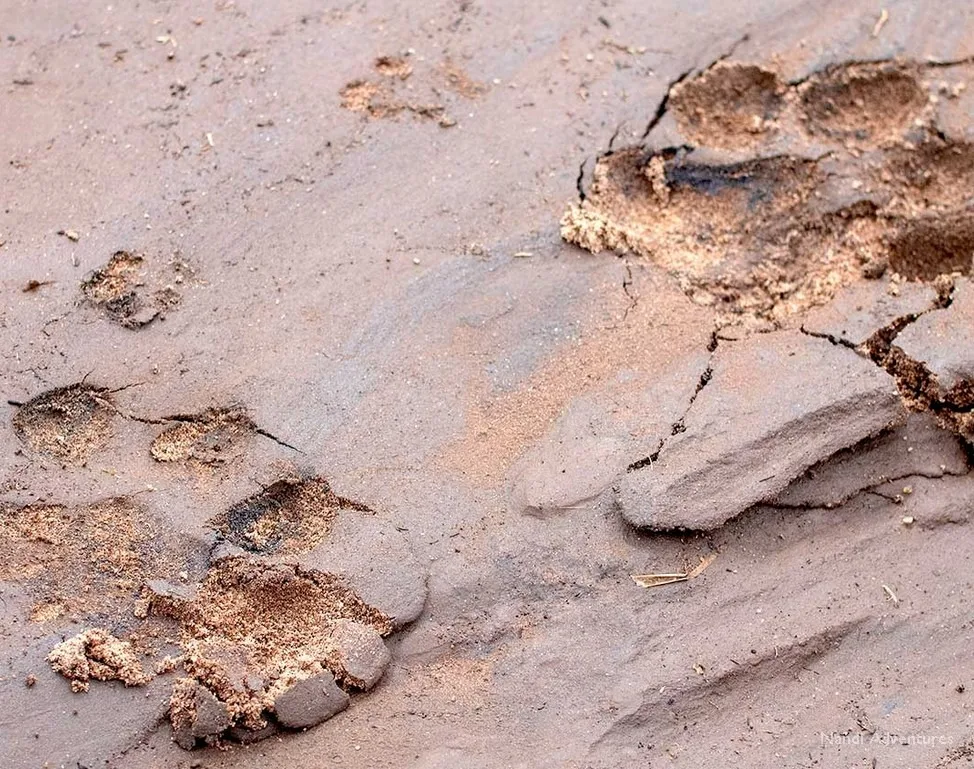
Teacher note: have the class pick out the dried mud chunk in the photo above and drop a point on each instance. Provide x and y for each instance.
(377, 562)
(97, 654)
(932, 246)
(774, 406)
(309, 702)
(168, 600)
(205, 438)
(69, 423)
(255, 628)
(291, 515)
(195, 713)
(728, 105)
(362, 654)
(863, 104)
(942, 342)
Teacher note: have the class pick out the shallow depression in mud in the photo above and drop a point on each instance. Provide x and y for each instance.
(863, 103)
(729, 104)
(931, 247)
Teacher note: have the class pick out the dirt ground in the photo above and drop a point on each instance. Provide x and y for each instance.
(358, 357)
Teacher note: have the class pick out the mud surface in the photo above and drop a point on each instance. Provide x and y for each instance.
(357, 358)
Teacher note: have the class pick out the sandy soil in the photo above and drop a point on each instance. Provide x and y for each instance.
(358, 357)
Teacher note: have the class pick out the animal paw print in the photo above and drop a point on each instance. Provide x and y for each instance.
(784, 192)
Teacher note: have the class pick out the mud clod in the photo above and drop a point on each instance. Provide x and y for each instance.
(69, 423)
(362, 654)
(196, 714)
(255, 632)
(97, 654)
(310, 701)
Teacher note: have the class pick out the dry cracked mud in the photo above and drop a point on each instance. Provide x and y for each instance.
(743, 359)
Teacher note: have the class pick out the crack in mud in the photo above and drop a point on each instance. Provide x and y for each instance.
(680, 424)
(871, 488)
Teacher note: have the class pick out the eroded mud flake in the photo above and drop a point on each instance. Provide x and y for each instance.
(933, 360)
(96, 654)
(775, 405)
(291, 515)
(119, 288)
(919, 447)
(728, 105)
(68, 424)
(206, 438)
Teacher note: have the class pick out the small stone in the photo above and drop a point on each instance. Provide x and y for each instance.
(362, 653)
(309, 702)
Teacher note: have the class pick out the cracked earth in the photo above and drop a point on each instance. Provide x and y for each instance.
(364, 355)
